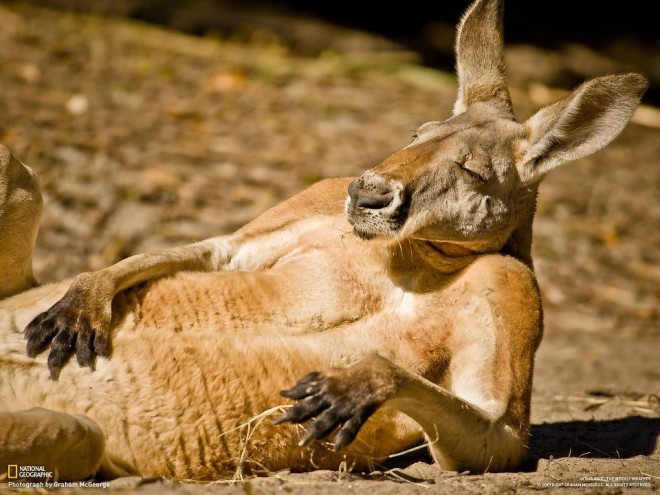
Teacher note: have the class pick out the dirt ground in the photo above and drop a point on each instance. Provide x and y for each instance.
(147, 138)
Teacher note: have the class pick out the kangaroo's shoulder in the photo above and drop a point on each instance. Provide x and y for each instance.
(324, 198)
(508, 284)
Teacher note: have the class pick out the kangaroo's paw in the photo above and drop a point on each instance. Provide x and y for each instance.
(341, 397)
(78, 323)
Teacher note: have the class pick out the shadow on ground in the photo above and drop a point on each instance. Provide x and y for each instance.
(623, 438)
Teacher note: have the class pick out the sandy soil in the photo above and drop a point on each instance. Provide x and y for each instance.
(145, 138)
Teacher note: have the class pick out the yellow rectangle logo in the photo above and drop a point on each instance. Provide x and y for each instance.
(12, 472)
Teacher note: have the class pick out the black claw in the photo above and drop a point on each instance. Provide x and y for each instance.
(307, 408)
(304, 410)
(304, 388)
(85, 347)
(40, 332)
(61, 351)
(102, 345)
(283, 418)
(349, 430)
(39, 335)
(55, 373)
(321, 427)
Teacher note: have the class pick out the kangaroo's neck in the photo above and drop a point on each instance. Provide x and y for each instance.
(451, 257)
(519, 244)
(409, 258)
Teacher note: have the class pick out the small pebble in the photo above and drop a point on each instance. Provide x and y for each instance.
(77, 105)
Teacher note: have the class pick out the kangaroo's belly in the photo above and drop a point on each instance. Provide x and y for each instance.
(195, 361)
(197, 406)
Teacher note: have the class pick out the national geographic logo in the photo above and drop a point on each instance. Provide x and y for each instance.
(39, 478)
(15, 472)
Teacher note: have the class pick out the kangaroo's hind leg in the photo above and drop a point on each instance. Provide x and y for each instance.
(20, 212)
(72, 447)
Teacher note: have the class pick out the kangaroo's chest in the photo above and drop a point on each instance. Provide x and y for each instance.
(328, 279)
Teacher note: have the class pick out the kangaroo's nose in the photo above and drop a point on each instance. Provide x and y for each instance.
(369, 195)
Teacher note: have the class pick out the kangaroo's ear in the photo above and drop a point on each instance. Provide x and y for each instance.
(480, 57)
(580, 124)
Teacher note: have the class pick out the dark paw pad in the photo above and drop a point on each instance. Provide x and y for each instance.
(335, 400)
(39, 333)
(67, 329)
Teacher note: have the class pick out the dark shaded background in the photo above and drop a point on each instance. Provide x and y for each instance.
(624, 34)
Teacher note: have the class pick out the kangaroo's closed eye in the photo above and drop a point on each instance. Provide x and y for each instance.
(464, 166)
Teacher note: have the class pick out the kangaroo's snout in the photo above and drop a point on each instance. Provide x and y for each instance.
(375, 193)
(375, 206)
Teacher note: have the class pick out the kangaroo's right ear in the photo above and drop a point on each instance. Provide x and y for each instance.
(480, 58)
(580, 124)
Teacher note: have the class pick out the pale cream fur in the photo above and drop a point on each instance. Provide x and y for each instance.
(440, 312)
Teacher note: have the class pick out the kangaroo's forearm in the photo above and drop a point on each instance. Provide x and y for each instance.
(430, 404)
(209, 255)
(460, 435)
(258, 245)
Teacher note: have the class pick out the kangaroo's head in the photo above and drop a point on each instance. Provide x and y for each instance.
(471, 179)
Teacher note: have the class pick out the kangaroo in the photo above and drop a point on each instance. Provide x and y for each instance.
(404, 298)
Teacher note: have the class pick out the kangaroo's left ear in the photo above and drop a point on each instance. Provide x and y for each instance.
(580, 124)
